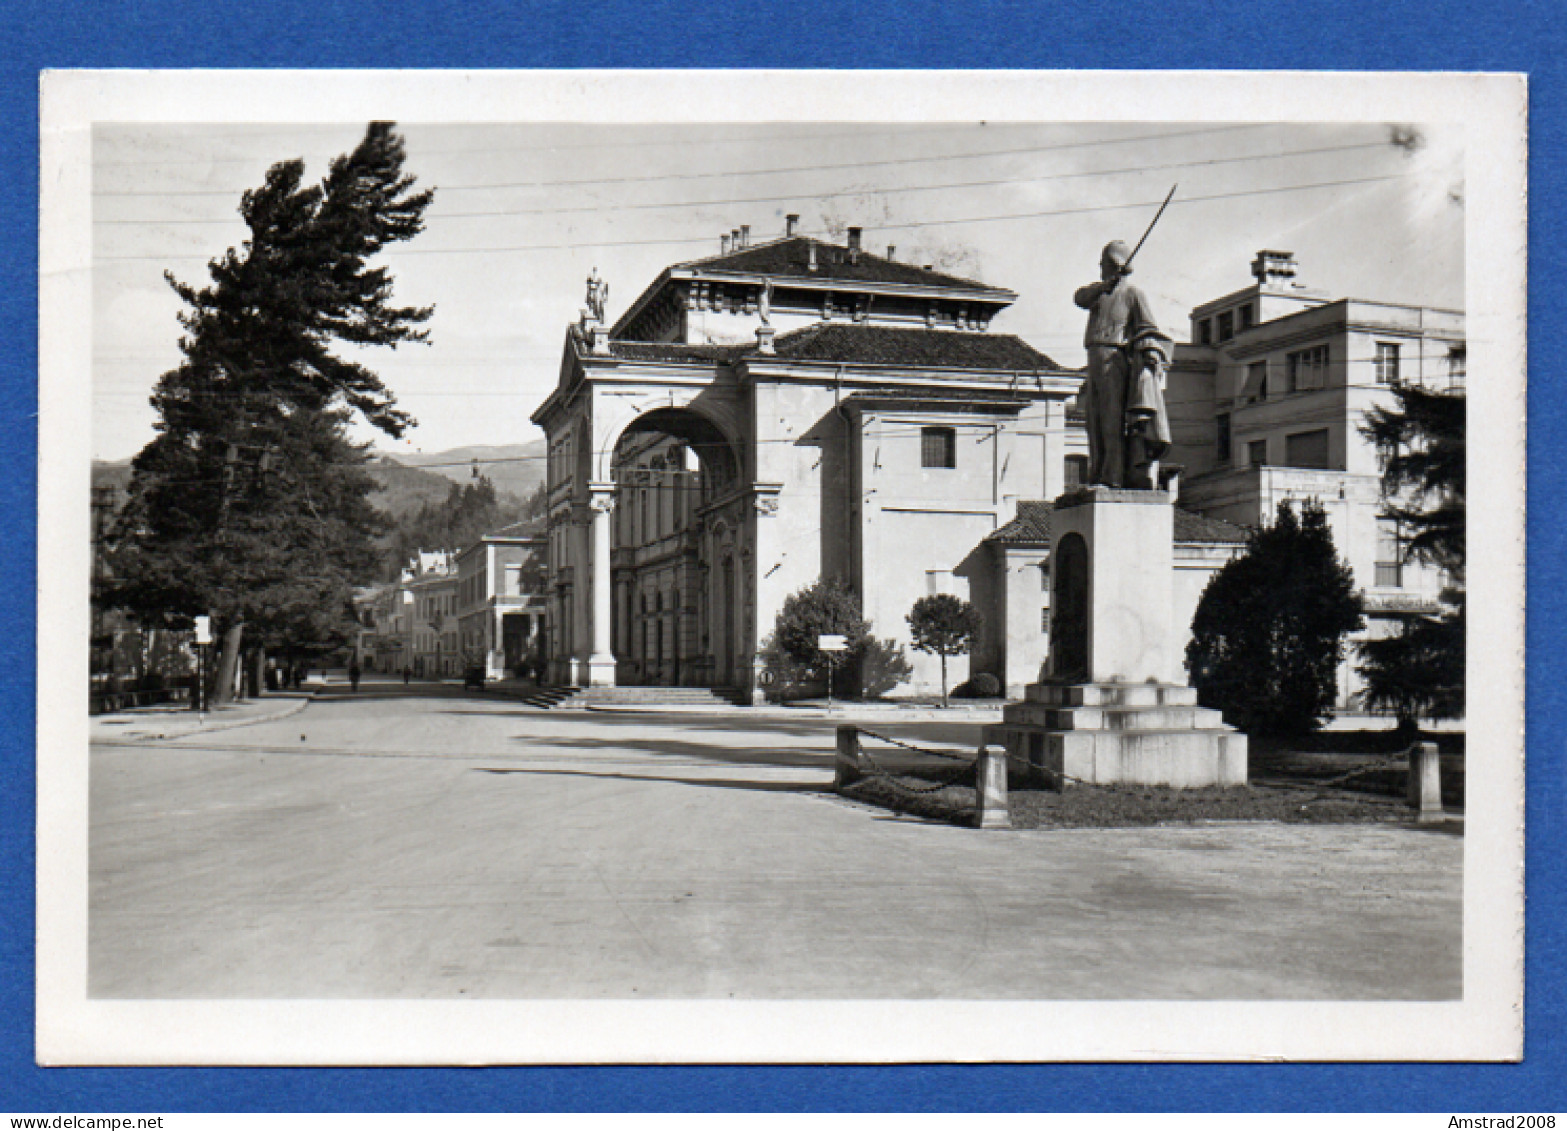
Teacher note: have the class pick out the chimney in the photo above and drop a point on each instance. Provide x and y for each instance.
(1273, 267)
(745, 235)
(791, 222)
(723, 243)
(734, 239)
(892, 251)
(930, 266)
(854, 242)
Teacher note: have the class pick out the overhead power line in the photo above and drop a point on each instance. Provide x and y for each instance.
(944, 186)
(732, 174)
(902, 226)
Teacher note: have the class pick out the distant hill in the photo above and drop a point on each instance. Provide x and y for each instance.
(515, 469)
(401, 490)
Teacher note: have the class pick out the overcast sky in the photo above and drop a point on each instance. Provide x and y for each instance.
(523, 213)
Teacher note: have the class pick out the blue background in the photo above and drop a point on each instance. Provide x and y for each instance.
(1173, 34)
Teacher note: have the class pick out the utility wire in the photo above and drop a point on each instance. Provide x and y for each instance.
(437, 214)
(904, 226)
(731, 174)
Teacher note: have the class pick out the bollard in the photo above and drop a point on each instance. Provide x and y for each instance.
(1424, 791)
(991, 782)
(846, 765)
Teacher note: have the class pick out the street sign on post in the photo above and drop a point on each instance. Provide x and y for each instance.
(831, 643)
(203, 630)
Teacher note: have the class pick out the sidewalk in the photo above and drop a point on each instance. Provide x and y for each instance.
(884, 711)
(170, 721)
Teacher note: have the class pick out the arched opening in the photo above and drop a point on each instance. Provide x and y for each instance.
(674, 561)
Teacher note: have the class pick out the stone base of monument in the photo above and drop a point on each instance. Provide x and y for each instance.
(1103, 733)
(1111, 709)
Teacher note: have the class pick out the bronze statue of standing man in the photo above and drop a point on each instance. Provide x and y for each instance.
(1123, 395)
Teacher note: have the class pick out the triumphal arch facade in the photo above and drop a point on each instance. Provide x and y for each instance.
(782, 412)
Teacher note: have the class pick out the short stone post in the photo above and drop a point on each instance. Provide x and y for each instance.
(991, 786)
(846, 765)
(1424, 790)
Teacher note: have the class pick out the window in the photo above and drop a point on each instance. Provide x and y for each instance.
(1457, 362)
(1076, 471)
(1226, 325)
(1222, 424)
(513, 580)
(1387, 363)
(1245, 316)
(1390, 564)
(1307, 449)
(1205, 332)
(1256, 382)
(938, 447)
(1257, 452)
(1308, 369)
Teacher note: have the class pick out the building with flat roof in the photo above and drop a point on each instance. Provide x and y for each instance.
(500, 600)
(1266, 405)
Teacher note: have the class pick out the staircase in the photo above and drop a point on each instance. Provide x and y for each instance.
(547, 698)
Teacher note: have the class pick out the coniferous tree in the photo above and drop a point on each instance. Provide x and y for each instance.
(251, 503)
(1269, 630)
(1419, 671)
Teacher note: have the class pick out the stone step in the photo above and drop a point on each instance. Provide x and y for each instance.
(1181, 758)
(1111, 694)
(1120, 718)
(646, 696)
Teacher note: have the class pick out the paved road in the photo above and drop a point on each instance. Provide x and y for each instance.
(439, 845)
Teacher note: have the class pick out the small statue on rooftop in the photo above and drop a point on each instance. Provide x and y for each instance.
(598, 296)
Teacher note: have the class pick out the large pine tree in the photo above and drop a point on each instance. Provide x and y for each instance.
(251, 503)
(1419, 671)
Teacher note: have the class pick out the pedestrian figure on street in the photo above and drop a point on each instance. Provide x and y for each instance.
(407, 674)
(353, 674)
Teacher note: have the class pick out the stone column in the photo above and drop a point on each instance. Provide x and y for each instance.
(766, 548)
(601, 663)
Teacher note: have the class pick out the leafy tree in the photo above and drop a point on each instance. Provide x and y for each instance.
(1270, 626)
(945, 625)
(827, 607)
(1419, 672)
(251, 503)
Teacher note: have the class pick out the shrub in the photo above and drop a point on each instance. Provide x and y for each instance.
(1269, 630)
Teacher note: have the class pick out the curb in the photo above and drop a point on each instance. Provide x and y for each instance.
(231, 724)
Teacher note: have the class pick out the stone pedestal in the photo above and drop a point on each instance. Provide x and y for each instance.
(1113, 706)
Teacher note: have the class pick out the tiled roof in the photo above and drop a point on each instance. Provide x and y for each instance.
(867, 344)
(791, 257)
(1032, 525)
(854, 343)
(673, 351)
(1191, 527)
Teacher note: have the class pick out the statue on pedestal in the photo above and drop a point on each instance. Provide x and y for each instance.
(1123, 394)
(598, 296)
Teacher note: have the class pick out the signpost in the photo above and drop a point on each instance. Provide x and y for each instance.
(833, 644)
(203, 638)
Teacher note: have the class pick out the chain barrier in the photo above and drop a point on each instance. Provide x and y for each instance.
(890, 741)
(967, 764)
(1383, 763)
(895, 780)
